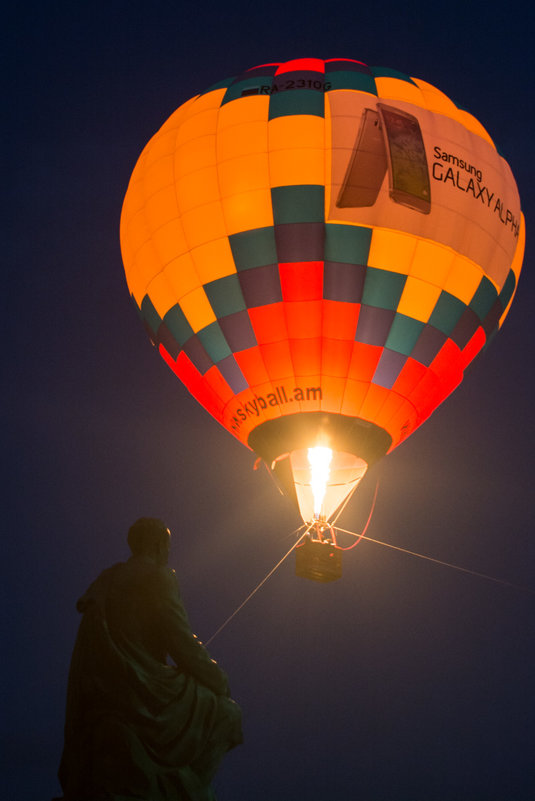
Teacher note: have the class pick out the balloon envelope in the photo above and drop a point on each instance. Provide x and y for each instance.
(319, 249)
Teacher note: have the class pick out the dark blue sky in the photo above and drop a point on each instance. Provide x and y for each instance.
(405, 680)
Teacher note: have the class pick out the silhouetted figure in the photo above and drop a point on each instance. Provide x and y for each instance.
(137, 727)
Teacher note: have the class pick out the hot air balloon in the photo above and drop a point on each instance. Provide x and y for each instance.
(319, 249)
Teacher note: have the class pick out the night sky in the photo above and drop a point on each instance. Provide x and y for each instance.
(405, 680)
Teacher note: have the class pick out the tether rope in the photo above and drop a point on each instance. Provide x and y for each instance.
(360, 537)
(441, 562)
(279, 563)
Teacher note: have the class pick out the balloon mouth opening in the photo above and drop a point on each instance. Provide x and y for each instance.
(341, 449)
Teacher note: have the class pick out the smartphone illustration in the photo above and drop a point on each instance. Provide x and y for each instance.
(367, 166)
(408, 170)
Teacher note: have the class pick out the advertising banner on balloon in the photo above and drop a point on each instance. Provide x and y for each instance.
(400, 166)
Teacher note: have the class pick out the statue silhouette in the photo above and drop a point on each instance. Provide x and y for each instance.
(136, 726)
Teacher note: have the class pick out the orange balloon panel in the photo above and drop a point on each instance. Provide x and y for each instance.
(319, 249)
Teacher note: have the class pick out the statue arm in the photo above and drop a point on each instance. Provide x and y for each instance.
(184, 648)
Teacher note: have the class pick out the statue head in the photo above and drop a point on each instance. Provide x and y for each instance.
(150, 537)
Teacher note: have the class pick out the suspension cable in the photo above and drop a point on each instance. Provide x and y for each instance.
(344, 504)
